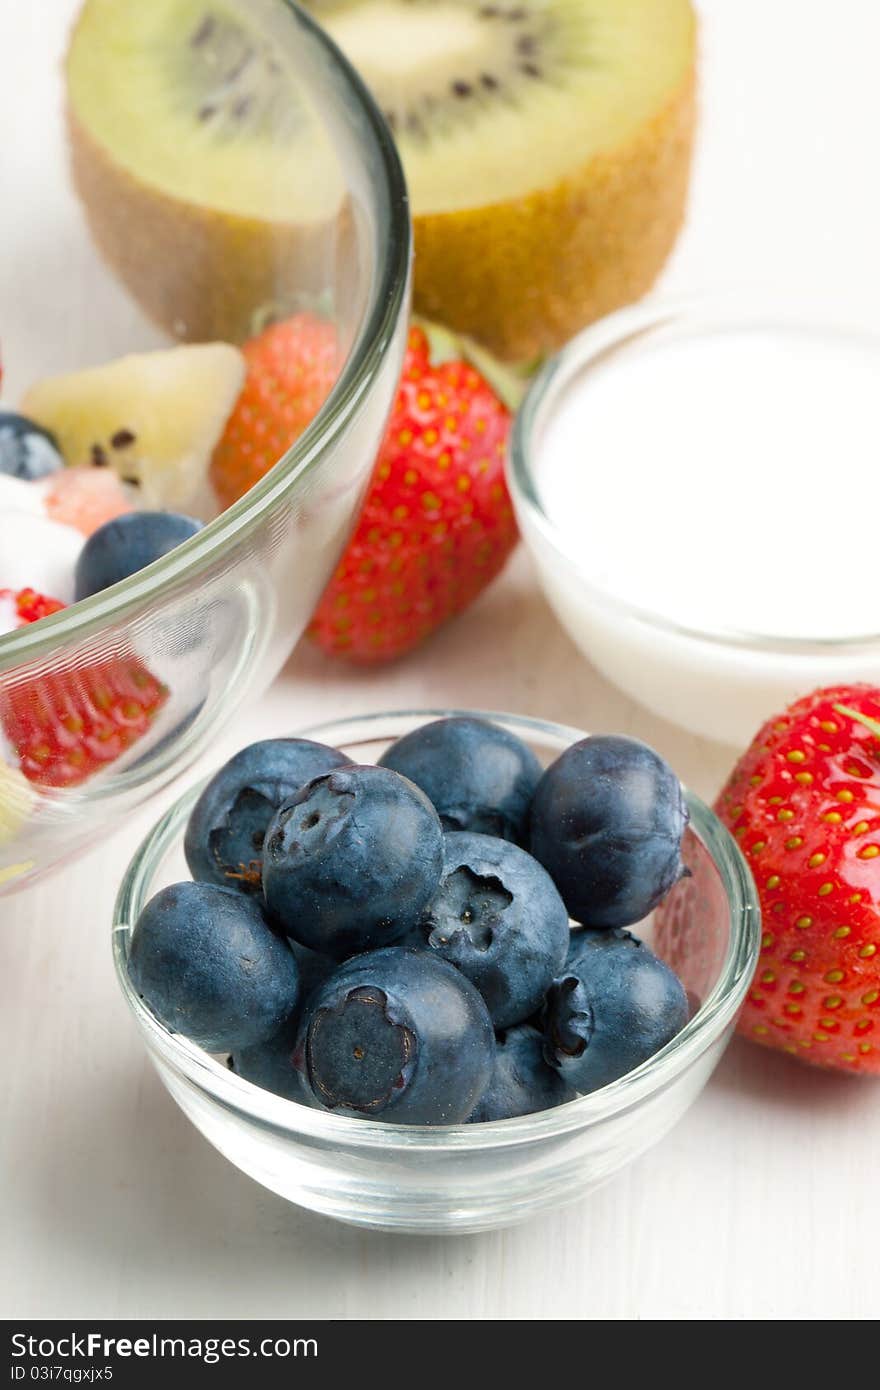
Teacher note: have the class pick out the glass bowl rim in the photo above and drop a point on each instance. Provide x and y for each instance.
(722, 309)
(288, 1117)
(388, 292)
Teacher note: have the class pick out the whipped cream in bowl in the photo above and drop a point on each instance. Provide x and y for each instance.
(36, 551)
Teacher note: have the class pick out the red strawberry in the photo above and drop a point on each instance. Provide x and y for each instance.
(66, 725)
(291, 369)
(29, 606)
(804, 805)
(437, 525)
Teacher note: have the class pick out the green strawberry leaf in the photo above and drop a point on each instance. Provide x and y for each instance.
(869, 723)
(509, 380)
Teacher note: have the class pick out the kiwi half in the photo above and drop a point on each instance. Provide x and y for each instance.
(209, 182)
(547, 148)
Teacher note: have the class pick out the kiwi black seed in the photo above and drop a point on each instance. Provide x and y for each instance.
(233, 79)
(511, 47)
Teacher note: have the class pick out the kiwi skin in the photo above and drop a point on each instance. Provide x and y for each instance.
(200, 274)
(523, 277)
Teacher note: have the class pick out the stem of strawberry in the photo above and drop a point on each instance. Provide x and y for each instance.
(869, 723)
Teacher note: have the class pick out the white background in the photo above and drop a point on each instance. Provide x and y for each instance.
(764, 1202)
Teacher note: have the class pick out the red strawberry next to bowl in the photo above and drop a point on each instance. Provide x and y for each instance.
(437, 525)
(804, 805)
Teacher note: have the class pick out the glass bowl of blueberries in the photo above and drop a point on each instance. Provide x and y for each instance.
(168, 519)
(436, 971)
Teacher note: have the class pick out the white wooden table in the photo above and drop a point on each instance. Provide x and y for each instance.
(763, 1202)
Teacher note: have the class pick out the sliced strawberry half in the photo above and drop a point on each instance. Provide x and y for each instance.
(67, 725)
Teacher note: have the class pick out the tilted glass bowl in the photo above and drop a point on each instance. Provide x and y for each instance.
(214, 620)
(465, 1177)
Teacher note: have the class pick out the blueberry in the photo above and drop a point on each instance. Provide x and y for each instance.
(498, 917)
(522, 1082)
(313, 968)
(127, 544)
(352, 860)
(478, 776)
(270, 1064)
(607, 823)
(400, 1036)
(614, 1005)
(209, 966)
(225, 832)
(26, 450)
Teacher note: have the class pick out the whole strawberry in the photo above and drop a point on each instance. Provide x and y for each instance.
(291, 369)
(804, 805)
(437, 525)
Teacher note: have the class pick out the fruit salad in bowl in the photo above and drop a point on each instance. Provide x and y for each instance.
(358, 959)
(175, 494)
(146, 586)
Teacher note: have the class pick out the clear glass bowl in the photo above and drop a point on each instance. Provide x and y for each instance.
(715, 682)
(214, 620)
(465, 1178)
